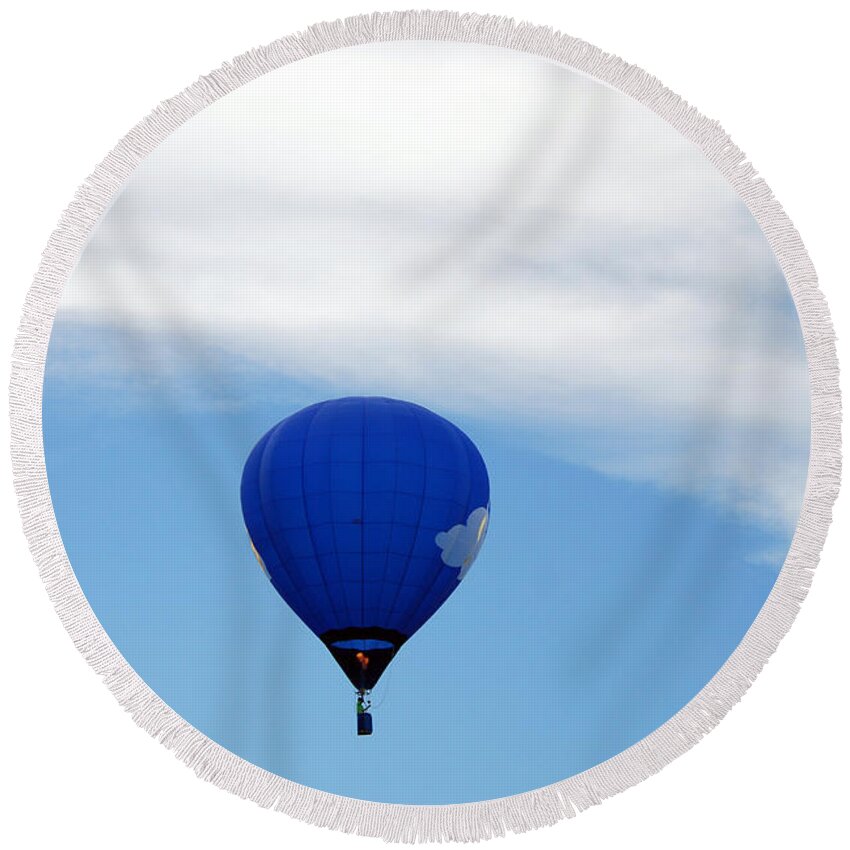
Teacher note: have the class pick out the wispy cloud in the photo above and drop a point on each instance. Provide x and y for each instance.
(481, 231)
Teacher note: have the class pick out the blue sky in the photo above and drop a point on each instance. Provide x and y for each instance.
(524, 251)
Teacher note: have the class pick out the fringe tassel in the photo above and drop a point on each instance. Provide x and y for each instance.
(405, 823)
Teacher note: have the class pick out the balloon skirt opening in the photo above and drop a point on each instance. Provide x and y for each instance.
(363, 653)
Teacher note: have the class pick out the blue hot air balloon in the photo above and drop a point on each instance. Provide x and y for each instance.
(365, 514)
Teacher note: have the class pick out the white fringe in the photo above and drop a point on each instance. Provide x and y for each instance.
(407, 823)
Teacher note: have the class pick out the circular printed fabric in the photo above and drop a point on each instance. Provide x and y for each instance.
(426, 422)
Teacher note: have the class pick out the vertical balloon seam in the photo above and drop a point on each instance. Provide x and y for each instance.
(393, 615)
(331, 605)
(286, 557)
(278, 575)
(320, 564)
(336, 558)
(415, 614)
(392, 419)
(362, 517)
(261, 448)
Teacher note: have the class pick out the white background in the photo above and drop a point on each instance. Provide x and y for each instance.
(75, 769)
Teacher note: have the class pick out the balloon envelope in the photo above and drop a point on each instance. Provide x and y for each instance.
(365, 513)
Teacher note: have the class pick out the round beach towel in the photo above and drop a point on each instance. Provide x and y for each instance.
(426, 425)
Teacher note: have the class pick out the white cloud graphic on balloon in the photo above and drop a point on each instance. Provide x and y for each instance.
(461, 543)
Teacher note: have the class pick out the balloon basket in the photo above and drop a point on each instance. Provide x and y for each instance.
(364, 723)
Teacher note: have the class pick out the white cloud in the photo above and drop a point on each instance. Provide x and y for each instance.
(479, 230)
(461, 543)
